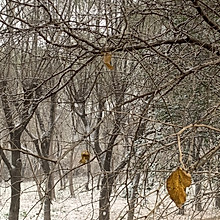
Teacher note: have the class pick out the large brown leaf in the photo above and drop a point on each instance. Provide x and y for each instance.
(176, 186)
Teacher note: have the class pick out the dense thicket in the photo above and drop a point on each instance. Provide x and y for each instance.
(134, 83)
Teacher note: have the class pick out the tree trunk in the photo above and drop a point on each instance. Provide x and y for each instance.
(133, 197)
(198, 188)
(45, 148)
(107, 184)
(16, 163)
(15, 174)
(88, 176)
(107, 181)
(97, 149)
(48, 198)
(15, 193)
(48, 188)
(104, 202)
(70, 175)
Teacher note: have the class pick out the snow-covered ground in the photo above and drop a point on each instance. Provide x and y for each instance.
(81, 207)
(84, 206)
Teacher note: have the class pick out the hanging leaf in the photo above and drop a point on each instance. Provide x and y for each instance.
(176, 186)
(107, 60)
(85, 157)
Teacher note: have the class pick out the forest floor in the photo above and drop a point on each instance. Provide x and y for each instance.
(84, 205)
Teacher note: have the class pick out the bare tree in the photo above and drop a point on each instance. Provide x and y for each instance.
(152, 108)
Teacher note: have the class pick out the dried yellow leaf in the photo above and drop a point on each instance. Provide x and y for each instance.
(85, 157)
(176, 186)
(83, 161)
(107, 60)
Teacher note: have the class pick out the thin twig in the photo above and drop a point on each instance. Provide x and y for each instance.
(206, 156)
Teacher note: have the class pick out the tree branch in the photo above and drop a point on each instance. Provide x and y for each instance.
(205, 17)
(204, 159)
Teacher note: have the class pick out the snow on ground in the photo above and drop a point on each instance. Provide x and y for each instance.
(84, 206)
(81, 207)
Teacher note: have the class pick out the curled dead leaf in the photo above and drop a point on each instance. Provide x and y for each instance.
(176, 186)
(107, 60)
(85, 157)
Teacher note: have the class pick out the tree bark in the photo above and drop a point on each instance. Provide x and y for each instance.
(108, 180)
(15, 174)
(133, 197)
(70, 175)
(45, 152)
(104, 202)
(16, 164)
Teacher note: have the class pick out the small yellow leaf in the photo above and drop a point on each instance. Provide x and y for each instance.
(176, 186)
(107, 60)
(83, 160)
(85, 157)
(109, 66)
